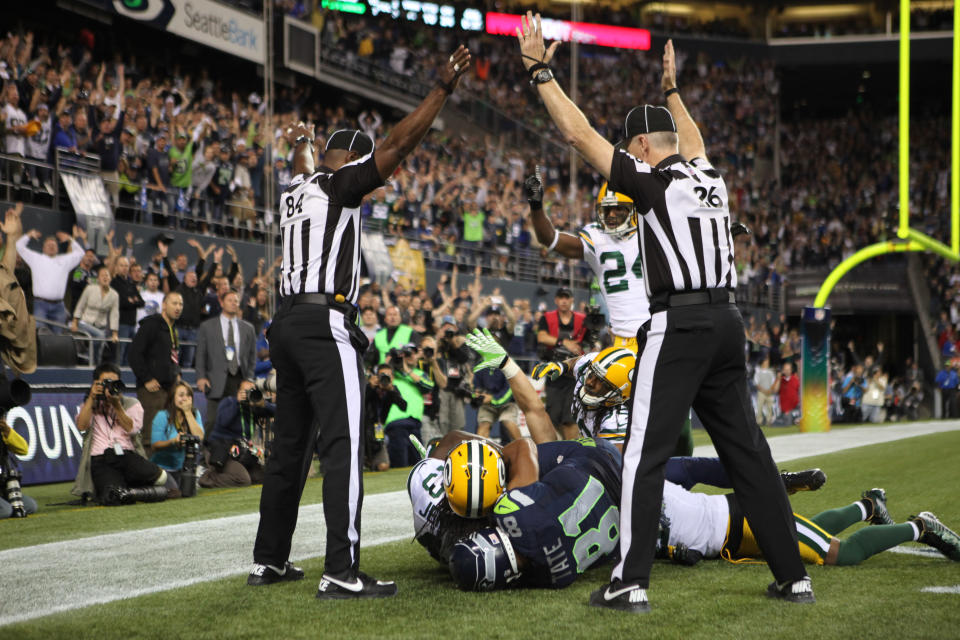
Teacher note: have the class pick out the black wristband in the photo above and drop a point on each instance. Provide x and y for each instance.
(446, 86)
(301, 140)
(669, 92)
(536, 67)
(535, 205)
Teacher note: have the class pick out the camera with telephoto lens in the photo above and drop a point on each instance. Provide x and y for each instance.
(10, 483)
(385, 380)
(267, 384)
(188, 475)
(428, 353)
(13, 393)
(113, 387)
(594, 325)
(396, 359)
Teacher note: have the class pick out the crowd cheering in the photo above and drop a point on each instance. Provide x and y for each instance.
(185, 150)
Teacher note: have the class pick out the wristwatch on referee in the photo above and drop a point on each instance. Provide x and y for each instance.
(540, 73)
(301, 140)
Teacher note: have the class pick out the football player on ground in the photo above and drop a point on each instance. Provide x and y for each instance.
(526, 503)
(696, 526)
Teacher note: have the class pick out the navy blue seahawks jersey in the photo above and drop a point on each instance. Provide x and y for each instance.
(569, 520)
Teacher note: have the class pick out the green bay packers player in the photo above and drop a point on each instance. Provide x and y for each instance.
(610, 246)
(696, 526)
(441, 493)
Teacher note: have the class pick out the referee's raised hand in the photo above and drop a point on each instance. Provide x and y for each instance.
(299, 129)
(457, 65)
(669, 79)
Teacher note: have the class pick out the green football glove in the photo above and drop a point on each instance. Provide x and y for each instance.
(492, 355)
(418, 445)
(548, 370)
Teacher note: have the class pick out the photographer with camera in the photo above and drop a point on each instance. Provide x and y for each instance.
(379, 398)
(392, 337)
(413, 384)
(12, 501)
(173, 427)
(453, 359)
(430, 365)
(234, 456)
(559, 335)
(120, 474)
(852, 388)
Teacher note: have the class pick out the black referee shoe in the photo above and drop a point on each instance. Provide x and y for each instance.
(798, 592)
(622, 597)
(355, 585)
(268, 574)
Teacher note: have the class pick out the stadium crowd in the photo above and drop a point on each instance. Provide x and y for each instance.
(183, 149)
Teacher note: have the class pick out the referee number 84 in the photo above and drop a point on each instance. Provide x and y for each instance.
(294, 208)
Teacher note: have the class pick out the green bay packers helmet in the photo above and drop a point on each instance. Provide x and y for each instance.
(615, 213)
(474, 476)
(608, 378)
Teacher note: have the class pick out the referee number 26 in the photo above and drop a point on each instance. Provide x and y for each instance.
(294, 208)
(708, 198)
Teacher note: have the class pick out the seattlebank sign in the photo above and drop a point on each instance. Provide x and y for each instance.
(204, 21)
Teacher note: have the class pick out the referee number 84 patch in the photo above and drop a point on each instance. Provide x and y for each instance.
(293, 207)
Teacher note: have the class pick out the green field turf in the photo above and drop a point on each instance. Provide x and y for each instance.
(880, 598)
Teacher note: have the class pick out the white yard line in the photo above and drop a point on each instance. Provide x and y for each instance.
(954, 589)
(78, 573)
(803, 445)
(72, 574)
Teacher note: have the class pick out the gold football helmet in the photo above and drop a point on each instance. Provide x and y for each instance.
(608, 378)
(615, 213)
(474, 477)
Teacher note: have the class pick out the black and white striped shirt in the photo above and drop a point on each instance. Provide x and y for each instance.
(320, 229)
(685, 240)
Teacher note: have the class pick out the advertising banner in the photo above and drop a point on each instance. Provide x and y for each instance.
(49, 426)
(204, 21)
(603, 35)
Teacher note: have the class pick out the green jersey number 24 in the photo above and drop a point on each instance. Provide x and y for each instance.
(614, 279)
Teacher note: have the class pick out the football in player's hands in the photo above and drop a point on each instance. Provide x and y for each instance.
(548, 370)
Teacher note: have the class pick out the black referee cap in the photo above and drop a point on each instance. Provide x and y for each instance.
(350, 140)
(647, 119)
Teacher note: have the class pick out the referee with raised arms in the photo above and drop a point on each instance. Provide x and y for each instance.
(316, 346)
(691, 351)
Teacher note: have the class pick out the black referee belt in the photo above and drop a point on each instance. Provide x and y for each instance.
(323, 299)
(690, 298)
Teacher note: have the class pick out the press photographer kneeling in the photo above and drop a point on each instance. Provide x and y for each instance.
(176, 434)
(120, 473)
(234, 458)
